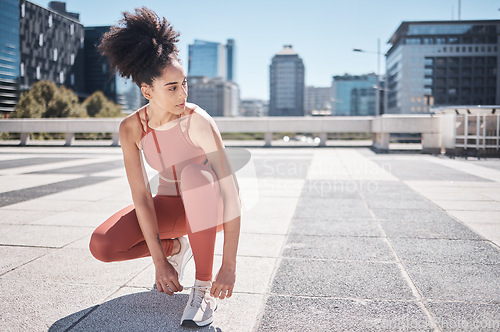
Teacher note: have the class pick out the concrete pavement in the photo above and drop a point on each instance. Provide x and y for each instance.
(338, 239)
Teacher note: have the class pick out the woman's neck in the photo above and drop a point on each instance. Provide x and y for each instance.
(158, 116)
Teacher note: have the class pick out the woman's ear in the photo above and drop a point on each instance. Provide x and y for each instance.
(146, 91)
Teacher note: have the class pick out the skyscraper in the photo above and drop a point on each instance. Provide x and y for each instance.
(52, 46)
(286, 84)
(9, 53)
(231, 60)
(211, 59)
(36, 44)
(439, 63)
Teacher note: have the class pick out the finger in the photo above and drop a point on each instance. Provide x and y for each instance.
(215, 290)
(167, 289)
(222, 295)
(229, 292)
(178, 286)
(158, 287)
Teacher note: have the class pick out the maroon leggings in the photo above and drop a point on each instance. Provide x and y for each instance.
(197, 213)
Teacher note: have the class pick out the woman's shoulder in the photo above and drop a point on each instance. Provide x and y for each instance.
(132, 117)
(199, 116)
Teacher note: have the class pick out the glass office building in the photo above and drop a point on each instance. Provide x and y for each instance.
(441, 63)
(9, 54)
(354, 95)
(207, 59)
(286, 84)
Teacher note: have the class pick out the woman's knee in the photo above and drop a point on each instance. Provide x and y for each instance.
(101, 248)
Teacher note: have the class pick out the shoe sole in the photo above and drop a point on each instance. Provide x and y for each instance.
(192, 323)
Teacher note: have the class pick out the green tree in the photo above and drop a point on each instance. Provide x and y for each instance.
(97, 105)
(46, 100)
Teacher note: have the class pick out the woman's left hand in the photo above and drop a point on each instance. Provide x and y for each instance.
(223, 285)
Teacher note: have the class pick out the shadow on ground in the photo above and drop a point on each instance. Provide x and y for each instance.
(145, 311)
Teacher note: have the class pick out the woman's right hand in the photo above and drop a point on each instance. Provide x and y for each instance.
(166, 277)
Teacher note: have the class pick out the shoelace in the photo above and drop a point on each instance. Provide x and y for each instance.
(199, 294)
(186, 287)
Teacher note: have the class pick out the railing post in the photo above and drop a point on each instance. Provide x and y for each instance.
(323, 137)
(25, 138)
(70, 139)
(268, 136)
(116, 139)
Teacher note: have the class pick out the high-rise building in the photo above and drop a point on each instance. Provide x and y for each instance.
(231, 60)
(439, 63)
(211, 59)
(217, 96)
(286, 84)
(317, 99)
(36, 44)
(51, 45)
(354, 94)
(9, 54)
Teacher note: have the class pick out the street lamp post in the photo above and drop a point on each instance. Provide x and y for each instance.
(377, 97)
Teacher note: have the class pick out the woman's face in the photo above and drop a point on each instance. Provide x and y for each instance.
(169, 91)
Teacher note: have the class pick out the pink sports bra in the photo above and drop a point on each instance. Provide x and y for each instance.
(169, 151)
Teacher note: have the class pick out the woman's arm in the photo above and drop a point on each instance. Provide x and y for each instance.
(144, 207)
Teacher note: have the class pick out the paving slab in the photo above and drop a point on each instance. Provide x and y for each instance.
(34, 305)
(337, 248)
(446, 251)
(346, 279)
(41, 236)
(445, 228)
(333, 314)
(337, 227)
(456, 282)
(465, 316)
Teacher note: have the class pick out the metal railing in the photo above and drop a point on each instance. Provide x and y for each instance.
(472, 130)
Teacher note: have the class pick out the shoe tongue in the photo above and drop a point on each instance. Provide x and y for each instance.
(202, 283)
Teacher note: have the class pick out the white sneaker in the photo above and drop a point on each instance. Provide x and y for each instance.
(180, 259)
(200, 305)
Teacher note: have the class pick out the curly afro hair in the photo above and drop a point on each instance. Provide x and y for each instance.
(140, 46)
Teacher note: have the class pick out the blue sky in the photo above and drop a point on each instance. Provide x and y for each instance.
(323, 33)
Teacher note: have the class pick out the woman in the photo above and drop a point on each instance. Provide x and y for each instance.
(198, 194)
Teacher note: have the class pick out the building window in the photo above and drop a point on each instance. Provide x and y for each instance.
(55, 54)
(82, 42)
(61, 77)
(71, 29)
(72, 58)
(413, 41)
(72, 78)
(50, 21)
(38, 73)
(40, 39)
(22, 69)
(23, 9)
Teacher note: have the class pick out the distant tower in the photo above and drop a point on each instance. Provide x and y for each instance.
(286, 84)
(230, 59)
